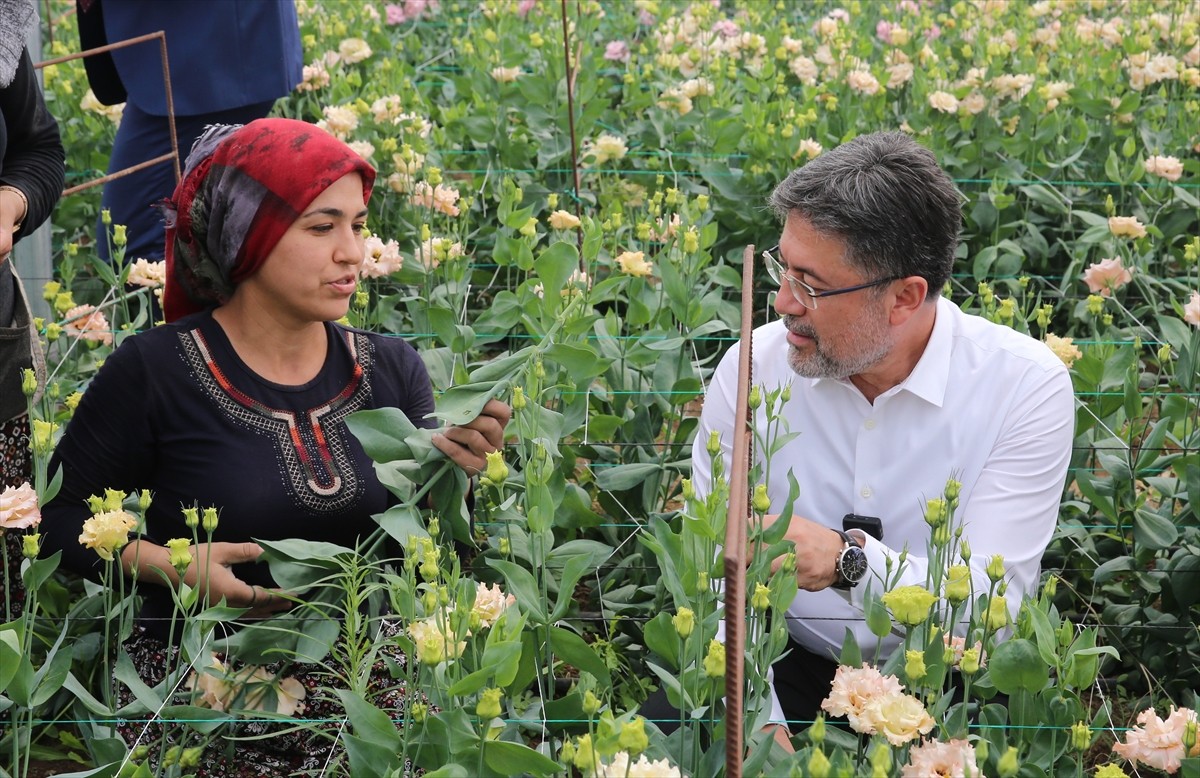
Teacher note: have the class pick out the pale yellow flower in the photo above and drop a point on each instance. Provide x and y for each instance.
(104, 533)
(505, 75)
(901, 718)
(863, 82)
(148, 274)
(1063, 348)
(248, 689)
(633, 263)
(353, 50)
(944, 102)
(562, 220)
(606, 147)
(1169, 168)
(808, 148)
(1126, 227)
(490, 603)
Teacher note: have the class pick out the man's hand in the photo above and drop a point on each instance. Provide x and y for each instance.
(221, 582)
(817, 548)
(468, 445)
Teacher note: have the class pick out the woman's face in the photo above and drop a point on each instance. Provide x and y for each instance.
(312, 272)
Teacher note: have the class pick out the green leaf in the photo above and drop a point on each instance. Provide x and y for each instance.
(10, 656)
(1184, 579)
(582, 364)
(402, 522)
(1152, 531)
(851, 655)
(383, 433)
(573, 570)
(516, 759)
(1016, 664)
(553, 267)
(369, 722)
(660, 637)
(621, 477)
(574, 650)
(205, 720)
(522, 585)
(463, 403)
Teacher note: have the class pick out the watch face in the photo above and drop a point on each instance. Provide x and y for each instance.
(853, 564)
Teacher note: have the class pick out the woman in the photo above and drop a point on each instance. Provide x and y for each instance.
(239, 401)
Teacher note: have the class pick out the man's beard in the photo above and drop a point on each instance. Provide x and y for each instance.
(865, 346)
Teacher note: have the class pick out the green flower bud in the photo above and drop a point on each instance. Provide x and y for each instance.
(761, 599)
(936, 512)
(504, 545)
(209, 520)
(567, 752)
(953, 489)
(173, 753)
(1081, 736)
(419, 710)
(529, 228)
(144, 500)
(684, 622)
(881, 759)
(964, 551)
(591, 703)
(1095, 304)
(714, 443)
(714, 660)
(191, 517)
(497, 470)
(818, 765)
(488, 706)
(1189, 735)
(816, 732)
(914, 665)
(691, 243)
(633, 736)
(1051, 587)
(29, 545)
(701, 582)
(996, 616)
(761, 502)
(191, 757)
(701, 202)
(689, 491)
(755, 399)
(518, 398)
(180, 556)
(1009, 764)
(585, 754)
(970, 662)
(29, 382)
(41, 440)
(105, 217)
(958, 584)
(1164, 353)
(995, 568)
(114, 499)
(118, 237)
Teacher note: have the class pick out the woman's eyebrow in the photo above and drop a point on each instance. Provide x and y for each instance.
(334, 212)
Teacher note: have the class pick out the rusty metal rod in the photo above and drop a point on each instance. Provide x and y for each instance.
(736, 525)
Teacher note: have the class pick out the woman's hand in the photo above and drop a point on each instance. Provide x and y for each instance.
(216, 560)
(468, 445)
(210, 571)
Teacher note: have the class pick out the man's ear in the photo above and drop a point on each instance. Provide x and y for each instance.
(909, 295)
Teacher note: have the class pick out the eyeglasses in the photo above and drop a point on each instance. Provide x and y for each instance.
(805, 294)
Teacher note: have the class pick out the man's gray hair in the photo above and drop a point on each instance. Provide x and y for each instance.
(888, 199)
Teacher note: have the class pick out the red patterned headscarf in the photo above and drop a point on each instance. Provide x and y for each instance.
(243, 187)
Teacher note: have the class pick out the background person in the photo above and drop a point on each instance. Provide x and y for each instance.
(229, 60)
(894, 390)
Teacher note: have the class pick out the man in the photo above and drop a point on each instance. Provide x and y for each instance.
(894, 390)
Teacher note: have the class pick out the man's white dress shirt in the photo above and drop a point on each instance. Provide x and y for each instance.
(985, 405)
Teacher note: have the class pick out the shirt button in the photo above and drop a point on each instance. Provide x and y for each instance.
(869, 424)
(865, 491)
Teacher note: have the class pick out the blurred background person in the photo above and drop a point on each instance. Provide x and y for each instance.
(229, 61)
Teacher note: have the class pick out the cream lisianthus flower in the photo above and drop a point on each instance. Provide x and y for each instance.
(440, 198)
(973, 103)
(1169, 168)
(353, 50)
(340, 120)
(314, 77)
(247, 689)
(490, 603)
(362, 148)
(147, 274)
(863, 82)
(19, 508)
(1126, 227)
(106, 532)
(505, 75)
(633, 263)
(562, 220)
(380, 258)
(433, 640)
(86, 323)
(944, 102)
(1063, 348)
(808, 148)
(621, 765)
(1158, 743)
(949, 759)
(909, 604)
(901, 718)
(606, 147)
(853, 688)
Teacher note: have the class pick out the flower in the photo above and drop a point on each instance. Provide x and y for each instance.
(617, 51)
(1169, 168)
(996, 615)
(246, 689)
(1155, 742)
(1063, 348)
(148, 274)
(362, 148)
(697, 87)
(353, 50)
(909, 604)
(1126, 227)
(380, 259)
(973, 103)
(714, 660)
(606, 147)
(937, 759)
(622, 766)
(808, 148)
(684, 622)
(505, 75)
(19, 508)
(958, 583)
(853, 688)
(1108, 275)
(898, 717)
(675, 100)
(433, 644)
(86, 323)
(1191, 311)
(944, 102)
(863, 82)
(111, 112)
(340, 120)
(442, 198)
(633, 263)
(435, 251)
(106, 532)
(180, 556)
(490, 603)
(562, 220)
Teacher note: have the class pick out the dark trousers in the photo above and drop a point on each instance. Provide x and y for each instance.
(130, 200)
(802, 680)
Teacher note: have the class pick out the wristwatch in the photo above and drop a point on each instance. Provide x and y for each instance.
(850, 564)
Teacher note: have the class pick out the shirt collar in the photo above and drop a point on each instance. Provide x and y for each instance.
(929, 377)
